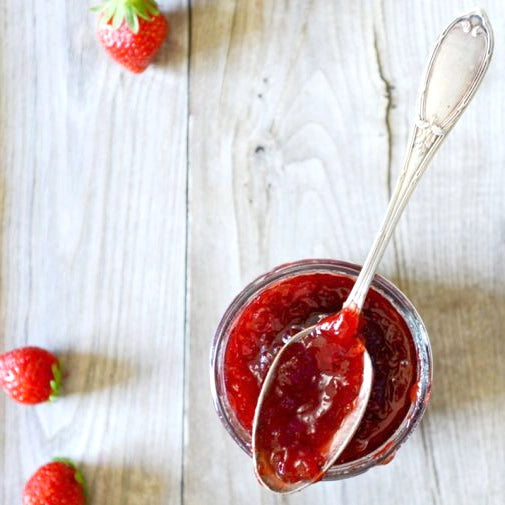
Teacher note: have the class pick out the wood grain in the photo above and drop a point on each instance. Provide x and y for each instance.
(93, 251)
(311, 105)
(134, 208)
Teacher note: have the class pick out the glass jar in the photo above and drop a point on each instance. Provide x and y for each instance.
(386, 451)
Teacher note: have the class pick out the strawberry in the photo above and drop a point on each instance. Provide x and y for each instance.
(57, 483)
(131, 31)
(30, 375)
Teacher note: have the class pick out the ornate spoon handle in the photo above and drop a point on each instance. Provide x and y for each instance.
(455, 70)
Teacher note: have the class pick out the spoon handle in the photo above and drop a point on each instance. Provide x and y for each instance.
(455, 70)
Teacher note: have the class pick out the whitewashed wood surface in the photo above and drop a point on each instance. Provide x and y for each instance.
(133, 209)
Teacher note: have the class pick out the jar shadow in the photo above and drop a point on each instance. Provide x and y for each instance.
(465, 325)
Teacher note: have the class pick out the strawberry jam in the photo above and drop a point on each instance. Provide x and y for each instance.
(314, 387)
(290, 304)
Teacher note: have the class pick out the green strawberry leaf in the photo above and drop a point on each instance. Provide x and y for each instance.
(132, 20)
(66, 461)
(126, 11)
(152, 8)
(142, 12)
(79, 477)
(119, 16)
(55, 384)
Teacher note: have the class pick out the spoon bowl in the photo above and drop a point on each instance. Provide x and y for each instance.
(338, 441)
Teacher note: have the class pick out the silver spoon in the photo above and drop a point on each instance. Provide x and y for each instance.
(455, 70)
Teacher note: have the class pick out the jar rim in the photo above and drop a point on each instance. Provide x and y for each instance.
(387, 290)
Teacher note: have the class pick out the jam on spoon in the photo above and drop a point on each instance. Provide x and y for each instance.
(322, 382)
(318, 385)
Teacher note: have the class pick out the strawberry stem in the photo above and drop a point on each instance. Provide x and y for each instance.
(126, 11)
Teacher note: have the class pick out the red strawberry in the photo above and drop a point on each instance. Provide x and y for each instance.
(30, 375)
(57, 483)
(131, 31)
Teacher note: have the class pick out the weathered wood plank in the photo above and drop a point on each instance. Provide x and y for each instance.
(450, 249)
(93, 250)
(291, 125)
(287, 135)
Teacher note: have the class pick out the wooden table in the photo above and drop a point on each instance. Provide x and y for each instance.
(134, 208)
